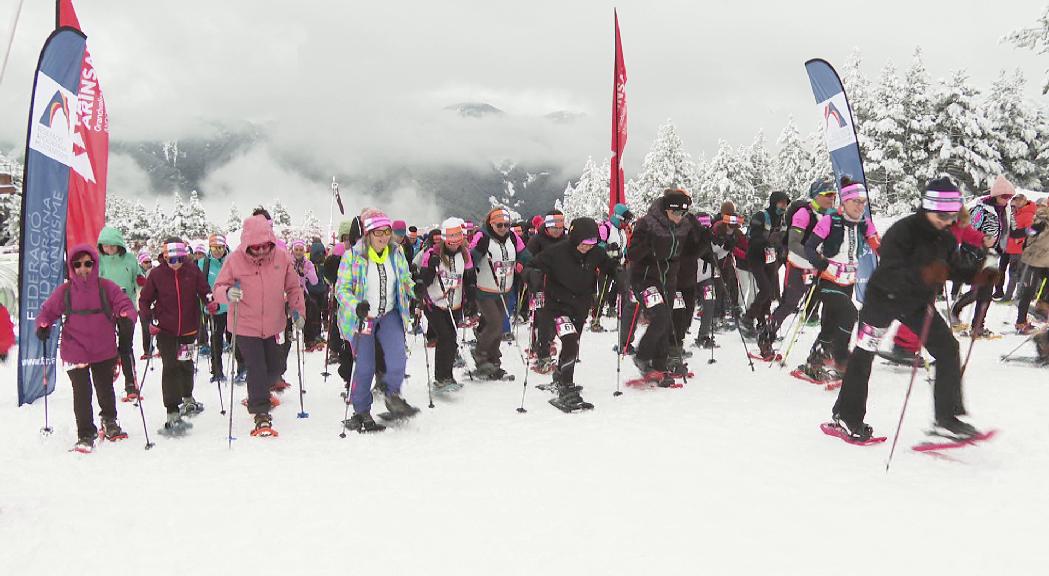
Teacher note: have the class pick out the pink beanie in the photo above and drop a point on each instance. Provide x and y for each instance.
(375, 219)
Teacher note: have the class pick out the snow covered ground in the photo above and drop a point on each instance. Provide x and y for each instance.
(729, 475)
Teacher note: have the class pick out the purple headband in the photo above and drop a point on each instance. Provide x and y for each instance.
(175, 249)
(852, 191)
(298, 243)
(942, 200)
(589, 241)
(376, 222)
(144, 256)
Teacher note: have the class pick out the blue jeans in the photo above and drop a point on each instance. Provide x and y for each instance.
(389, 329)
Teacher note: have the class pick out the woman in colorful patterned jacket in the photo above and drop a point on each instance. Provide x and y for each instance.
(374, 291)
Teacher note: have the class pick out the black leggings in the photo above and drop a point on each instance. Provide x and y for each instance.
(440, 321)
(101, 373)
(839, 318)
(177, 375)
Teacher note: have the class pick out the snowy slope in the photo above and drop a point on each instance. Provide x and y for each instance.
(729, 475)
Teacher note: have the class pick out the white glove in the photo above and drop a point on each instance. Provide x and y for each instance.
(235, 294)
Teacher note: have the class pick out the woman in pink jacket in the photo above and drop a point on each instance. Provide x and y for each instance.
(260, 282)
(92, 307)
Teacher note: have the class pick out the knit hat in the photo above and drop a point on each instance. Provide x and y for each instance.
(941, 195)
(345, 227)
(400, 227)
(452, 226)
(822, 186)
(298, 243)
(537, 221)
(497, 216)
(777, 197)
(174, 247)
(676, 199)
(583, 231)
(144, 255)
(216, 240)
(339, 249)
(199, 247)
(375, 219)
(852, 190)
(621, 213)
(1002, 187)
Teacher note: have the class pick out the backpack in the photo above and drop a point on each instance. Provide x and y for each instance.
(792, 210)
(105, 309)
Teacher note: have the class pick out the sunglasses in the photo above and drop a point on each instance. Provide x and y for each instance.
(175, 259)
(679, 211)
(828, 193)
(501, 226)
(89, 264)
(382, 233)
(260, 247)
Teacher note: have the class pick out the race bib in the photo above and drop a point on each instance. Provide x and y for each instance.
(708, 292)
(502, 269)
(679, 301)
(770, 255)
(564, 326)
(451, 280)
(842, 273)
(538, 300)
(652, 297)
(185, 352)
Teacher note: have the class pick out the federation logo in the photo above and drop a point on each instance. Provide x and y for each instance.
(831, 111)
(57, 104)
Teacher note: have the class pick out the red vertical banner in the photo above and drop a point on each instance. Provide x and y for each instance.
(86, 212)
(616, 193)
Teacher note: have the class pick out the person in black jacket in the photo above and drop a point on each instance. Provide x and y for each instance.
(567, 273)
(551, 233)
(918, 255)
(725, 236)
(653, 257)
(765, 235)
(696, 246)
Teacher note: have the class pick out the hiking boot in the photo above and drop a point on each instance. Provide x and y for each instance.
(111, 430)
(398, 407)
(952, 427)
(1025, 328)
(190, 407)
(856, 431)
(705, 342)
(363, 422)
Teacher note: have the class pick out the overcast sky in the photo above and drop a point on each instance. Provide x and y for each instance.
(360, 84)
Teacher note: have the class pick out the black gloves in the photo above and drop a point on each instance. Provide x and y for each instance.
(482, 244)
(363, 308)
(43, 332)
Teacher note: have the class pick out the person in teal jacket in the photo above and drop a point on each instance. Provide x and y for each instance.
(211, 265)
(118, 265)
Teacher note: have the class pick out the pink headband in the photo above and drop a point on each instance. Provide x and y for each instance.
(376, 222)
(852, 191)
(299, 244)
(589, 241)
(144, 256)
(704, 220)
(942, 200)
(175, 249)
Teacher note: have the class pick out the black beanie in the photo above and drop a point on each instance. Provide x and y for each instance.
(777, 197)
(676, 200)
(582, 229)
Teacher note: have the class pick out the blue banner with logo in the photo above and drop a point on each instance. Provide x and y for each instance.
(839, 130)
(45, 192)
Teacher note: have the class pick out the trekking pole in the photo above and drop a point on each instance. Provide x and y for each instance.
(739, 330)
(141, 410)
(528, 366)
(46, 430)
(429, 385)
(353, 351)
(914, 372)
(232, 361)
(327, 344)
(622, 345)
(298, 355)
(799, 324)
(978, 319)
(712, 345)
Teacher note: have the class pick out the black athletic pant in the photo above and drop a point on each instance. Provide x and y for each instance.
(839, 318)
(1032, 283)
(1003, 266)
(877, 313)
(706, 294)
(311, 330)
(767, 280)
(126, 350)
(219, 335)
(147, 338)
(682, 317)
(628, 322)
(794, 290)
(101, 373)
(440, 321)
(177, 375)
(654, 345)
(544, 328)
(569, 355)
(982, 297)
(730, 285)
(265, 363)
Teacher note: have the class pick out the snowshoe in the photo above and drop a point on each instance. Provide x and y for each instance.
(204, 350)
(629, 350)
(569, 405)
(264, 426)
(932, 447)
(595, 326)
(706, 342)
(900, 355)
(544, 365)
(191, 407)
(241, 377)
(447, 385)
(459, 362)
(176, 426)
(362, 423)
(508, 337)
(654, 378)
(1025, 328)
(85, 445)
(497, 374)
(952, 428)
(280, 385)
(766, 340)
(111, 430)
(218, 378)
(145, 356)
(130, 395)
(274, 401)
(864, 436)
(747, 328)
(398, 408)
(770, 358)
(644, 366)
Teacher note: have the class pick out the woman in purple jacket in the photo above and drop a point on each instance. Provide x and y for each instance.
(92, 308)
